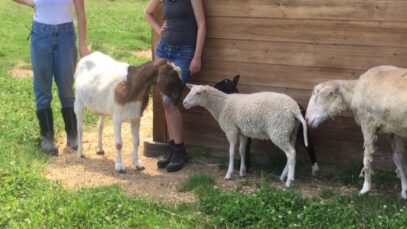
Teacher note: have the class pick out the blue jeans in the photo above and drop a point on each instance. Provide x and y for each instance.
(53, 55)
(179, 55)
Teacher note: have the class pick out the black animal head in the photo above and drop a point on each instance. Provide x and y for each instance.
(228, 86)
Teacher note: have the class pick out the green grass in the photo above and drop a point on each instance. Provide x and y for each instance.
(196, 181)
(28, 200)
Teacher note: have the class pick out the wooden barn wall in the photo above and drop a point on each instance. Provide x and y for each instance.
(289, 46)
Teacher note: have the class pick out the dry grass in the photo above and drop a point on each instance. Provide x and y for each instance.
(143, 53)
(21, 70)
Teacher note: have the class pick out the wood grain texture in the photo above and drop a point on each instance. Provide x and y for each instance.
(289, 46)
(304, 54)
(366, 10)
(375, 33)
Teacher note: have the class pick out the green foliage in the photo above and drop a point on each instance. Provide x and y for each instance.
(196, 181)
(275, 208)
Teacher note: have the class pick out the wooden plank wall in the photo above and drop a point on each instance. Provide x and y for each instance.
(289, 46)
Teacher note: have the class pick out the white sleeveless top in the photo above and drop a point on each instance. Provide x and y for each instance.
(53, 12)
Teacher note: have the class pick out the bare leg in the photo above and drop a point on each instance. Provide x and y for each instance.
(398, 157)
(135, 127)
(174, 121)
(101, 122)
(242, 151)
(117, 127)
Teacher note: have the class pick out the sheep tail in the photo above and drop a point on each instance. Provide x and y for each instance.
(304, 125)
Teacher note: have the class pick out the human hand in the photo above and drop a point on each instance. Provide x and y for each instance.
(84, 50)
(195, 65)
(163, 27)
(32, 4)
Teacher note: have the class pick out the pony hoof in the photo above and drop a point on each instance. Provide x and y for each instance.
(100, 152)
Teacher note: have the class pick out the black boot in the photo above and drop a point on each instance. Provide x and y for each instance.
(46, 122)
(178, 159)
(70, 127)
(162, 163)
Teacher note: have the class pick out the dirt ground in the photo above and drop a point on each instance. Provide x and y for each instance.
(95, 170)
(153, 183)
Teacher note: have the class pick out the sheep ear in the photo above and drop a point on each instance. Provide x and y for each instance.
(327, 91)
(236, 79)
(189, 85)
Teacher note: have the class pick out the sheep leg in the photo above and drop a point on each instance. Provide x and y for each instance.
(100, 124)
(369, 137)
(284, 174)
(398, 158)
(290, 153)
(293, 138)
(289, 169)
(117, 127)
(242, 151)
(135, 128)
(79, 117)
(232, 138)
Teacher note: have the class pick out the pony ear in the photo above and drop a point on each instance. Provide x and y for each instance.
(236, 79)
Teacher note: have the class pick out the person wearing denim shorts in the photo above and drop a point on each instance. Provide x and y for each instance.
(182, 38)
(53, 56)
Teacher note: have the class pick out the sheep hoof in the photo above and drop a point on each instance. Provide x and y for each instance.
(288, 183)
(242, 174)
(80, 156)
(227, 177)
(364, 190)
(100, 152)
(404, 194)
(315, 169)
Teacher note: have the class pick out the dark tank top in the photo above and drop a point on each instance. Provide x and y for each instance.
(181, 23)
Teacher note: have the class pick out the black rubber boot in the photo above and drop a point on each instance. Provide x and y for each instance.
(70, 127)
(162, 163)
(46, 122)
(178, 159)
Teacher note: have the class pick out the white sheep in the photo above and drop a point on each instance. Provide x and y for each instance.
(378, 100)
(109, 87)
(264, 115)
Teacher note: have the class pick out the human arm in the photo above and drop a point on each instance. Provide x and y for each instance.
(149, 15)
(29, 3)
(197, 6)
(81, 18)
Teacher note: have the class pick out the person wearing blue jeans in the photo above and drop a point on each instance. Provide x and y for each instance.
(53, 57)
(182, 40)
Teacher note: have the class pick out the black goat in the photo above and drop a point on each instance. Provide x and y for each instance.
(230, 86)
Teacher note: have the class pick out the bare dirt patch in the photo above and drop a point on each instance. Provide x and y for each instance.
(95, 170)
(21, 70)
(143, 53)
(157, 184)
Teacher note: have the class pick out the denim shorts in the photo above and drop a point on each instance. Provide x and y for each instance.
(53, 56)
(179, 55)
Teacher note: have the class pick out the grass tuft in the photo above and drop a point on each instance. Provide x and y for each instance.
(196, 181)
